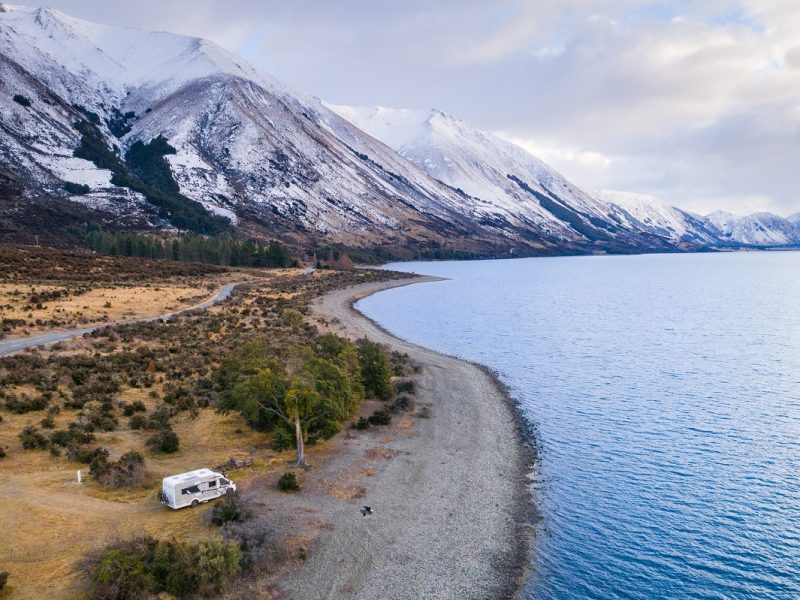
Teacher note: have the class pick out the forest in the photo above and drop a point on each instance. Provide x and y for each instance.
(216, 250)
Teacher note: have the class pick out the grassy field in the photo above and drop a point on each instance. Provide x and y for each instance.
(51, 521)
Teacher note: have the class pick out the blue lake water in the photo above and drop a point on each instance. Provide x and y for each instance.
(666, 393)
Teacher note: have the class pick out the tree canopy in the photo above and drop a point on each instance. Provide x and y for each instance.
(311, 396)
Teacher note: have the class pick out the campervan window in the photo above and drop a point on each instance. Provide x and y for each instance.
(190, 490)
(212, 483)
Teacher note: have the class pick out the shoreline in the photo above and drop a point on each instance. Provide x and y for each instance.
(455, 517)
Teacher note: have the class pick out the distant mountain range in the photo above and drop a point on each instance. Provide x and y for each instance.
(758, 229)
(145, 130)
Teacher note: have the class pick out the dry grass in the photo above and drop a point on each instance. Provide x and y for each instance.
(381, 452)
(96, 305)
(50, 521)
(346, 492)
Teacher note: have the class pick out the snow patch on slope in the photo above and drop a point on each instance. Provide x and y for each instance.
(642, 211)
(757, 229)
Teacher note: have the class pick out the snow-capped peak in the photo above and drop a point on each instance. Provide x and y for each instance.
(116, 58)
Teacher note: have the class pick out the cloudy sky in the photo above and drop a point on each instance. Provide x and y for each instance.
(697, 103)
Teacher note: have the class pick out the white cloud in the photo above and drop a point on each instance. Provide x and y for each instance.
(560, 155)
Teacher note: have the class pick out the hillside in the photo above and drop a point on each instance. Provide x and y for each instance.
(509, 185)
(757, 229)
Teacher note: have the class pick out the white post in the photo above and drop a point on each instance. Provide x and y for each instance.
(79, 476)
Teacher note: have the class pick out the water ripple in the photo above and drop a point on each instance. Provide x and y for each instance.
(666, 391)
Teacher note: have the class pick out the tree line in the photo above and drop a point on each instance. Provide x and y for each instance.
(217, 250)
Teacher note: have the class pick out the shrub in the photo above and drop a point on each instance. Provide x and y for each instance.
(159, 418)
(209, 563)
(233, 508)
(31, 439)
(2, 452)
(380, 417)
(24, 404)
(74, 436)
(288, 482)
(98, 463)
(3, 579)
(361, 424)
(22, 100)
(292, 317)
(76, 189)
(405, 387)
(138, 406)
(165, 440)
(376, 375)
(179, 397)
(402, 404)
(134, 407)
(255, 539)
(85, 456)
(283, 440)
(137, 422)
(127, 472)
(99, 416)
(47, 422)
(145, 566)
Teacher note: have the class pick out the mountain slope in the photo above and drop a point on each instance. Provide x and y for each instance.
(507, 184)
(646, 213)
(240, 143)
(757, 229)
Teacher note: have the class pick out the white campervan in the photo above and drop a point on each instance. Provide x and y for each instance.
(194, 487)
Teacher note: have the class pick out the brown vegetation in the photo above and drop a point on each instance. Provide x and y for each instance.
(39, 264)
(95, 402)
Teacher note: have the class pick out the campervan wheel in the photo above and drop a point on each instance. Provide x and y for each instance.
(195, 502)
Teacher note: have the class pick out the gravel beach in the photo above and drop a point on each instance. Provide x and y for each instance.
(452, 511)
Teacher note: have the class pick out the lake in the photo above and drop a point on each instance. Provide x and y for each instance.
(666, 394)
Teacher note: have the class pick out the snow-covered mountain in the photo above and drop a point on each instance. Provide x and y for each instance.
(142, 129)
(643, 212)
(506, 184)
(757, 229)
(76, 97)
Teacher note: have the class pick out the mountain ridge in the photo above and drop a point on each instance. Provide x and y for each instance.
(488, 167)
(169, 131)
(757, 229)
